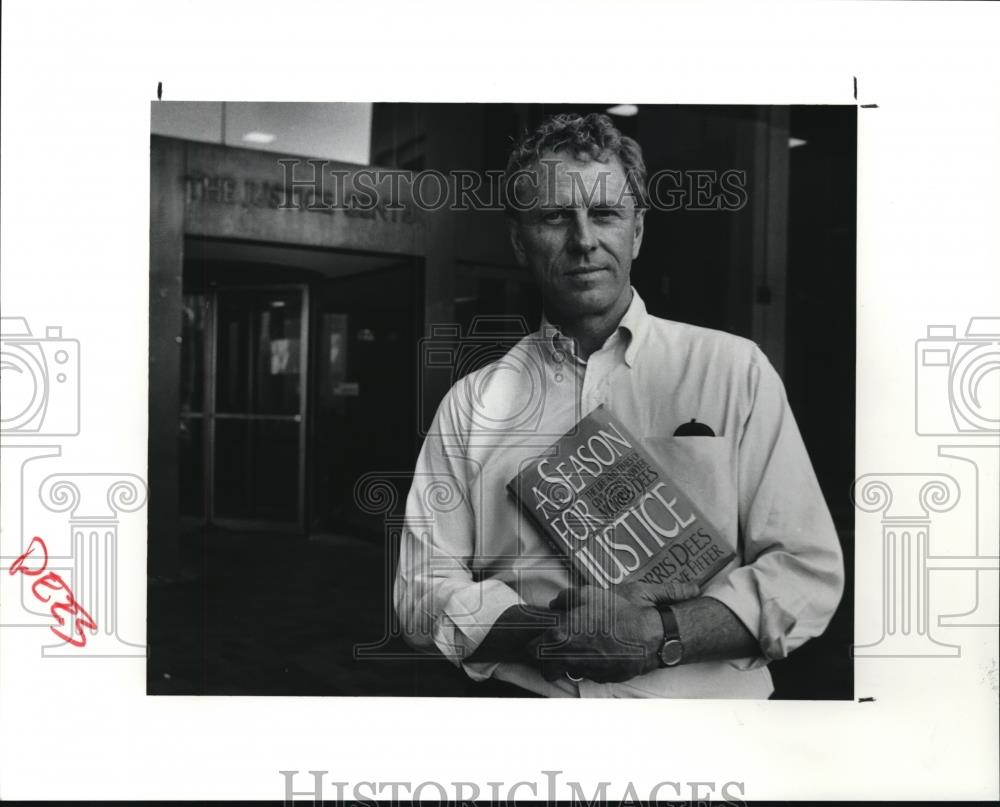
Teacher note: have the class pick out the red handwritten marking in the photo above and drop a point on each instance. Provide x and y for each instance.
(30, 551)
(82, 620)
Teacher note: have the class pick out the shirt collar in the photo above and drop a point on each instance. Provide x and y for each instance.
(632, 326)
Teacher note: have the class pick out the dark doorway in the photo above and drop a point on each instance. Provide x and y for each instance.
(298, 377)
(364, 415)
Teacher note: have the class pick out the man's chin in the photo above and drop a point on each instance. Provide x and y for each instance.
(579, 302)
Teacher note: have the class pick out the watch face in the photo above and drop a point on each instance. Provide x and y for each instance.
(670, 653)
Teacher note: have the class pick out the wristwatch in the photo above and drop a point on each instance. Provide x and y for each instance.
(671, 651)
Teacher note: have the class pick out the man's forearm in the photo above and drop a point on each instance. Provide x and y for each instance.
(709, 631)
(512, 634)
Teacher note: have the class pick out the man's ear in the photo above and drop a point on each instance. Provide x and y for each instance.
(640, 221)
(514, 230)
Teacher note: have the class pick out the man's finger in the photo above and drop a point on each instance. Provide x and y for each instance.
(576, 596)
(677, 591)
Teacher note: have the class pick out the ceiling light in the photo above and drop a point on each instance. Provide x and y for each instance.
(623, 110)
(259, 137)
(795, 141)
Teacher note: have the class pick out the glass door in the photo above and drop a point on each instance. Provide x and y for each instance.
(256, 407)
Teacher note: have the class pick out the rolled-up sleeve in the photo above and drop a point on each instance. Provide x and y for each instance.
(792, 576)
(440, 604)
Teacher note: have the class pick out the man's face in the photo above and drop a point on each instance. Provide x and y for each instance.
(580, 238)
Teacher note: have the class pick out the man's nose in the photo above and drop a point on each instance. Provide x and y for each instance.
(584, 239)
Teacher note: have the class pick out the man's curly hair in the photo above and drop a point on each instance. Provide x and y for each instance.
(585, 137)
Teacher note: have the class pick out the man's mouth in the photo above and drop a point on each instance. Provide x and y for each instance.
(581, 271)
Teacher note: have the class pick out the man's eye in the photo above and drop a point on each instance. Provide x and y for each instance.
(603, 213)
(554, 216)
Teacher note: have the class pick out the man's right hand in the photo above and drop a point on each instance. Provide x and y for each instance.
(513, 634)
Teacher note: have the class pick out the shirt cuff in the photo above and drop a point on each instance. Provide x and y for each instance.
(746, 607)
(466, 619)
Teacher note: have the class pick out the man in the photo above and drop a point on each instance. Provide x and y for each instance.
(476, 580)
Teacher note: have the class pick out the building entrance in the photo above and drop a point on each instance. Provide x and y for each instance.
(298, 376)
(248, 431)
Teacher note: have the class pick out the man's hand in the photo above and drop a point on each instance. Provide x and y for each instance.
(606, 634)
(638, 594)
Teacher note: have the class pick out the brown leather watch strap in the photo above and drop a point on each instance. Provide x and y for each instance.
(670, 627)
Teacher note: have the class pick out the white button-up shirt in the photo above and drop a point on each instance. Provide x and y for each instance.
(467, 553)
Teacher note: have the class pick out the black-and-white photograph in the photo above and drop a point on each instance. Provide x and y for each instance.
(371, 372)
(501, 400)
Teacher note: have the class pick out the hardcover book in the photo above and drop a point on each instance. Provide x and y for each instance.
(615, 515)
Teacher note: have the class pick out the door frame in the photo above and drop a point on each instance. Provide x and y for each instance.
(211, 416)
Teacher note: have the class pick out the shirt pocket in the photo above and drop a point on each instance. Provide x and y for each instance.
(705, 469)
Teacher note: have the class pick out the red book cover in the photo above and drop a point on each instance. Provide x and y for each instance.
(615, 515)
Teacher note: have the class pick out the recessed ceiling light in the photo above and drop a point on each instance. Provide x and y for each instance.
(793, 142)
(623, 110)
(259, 137)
